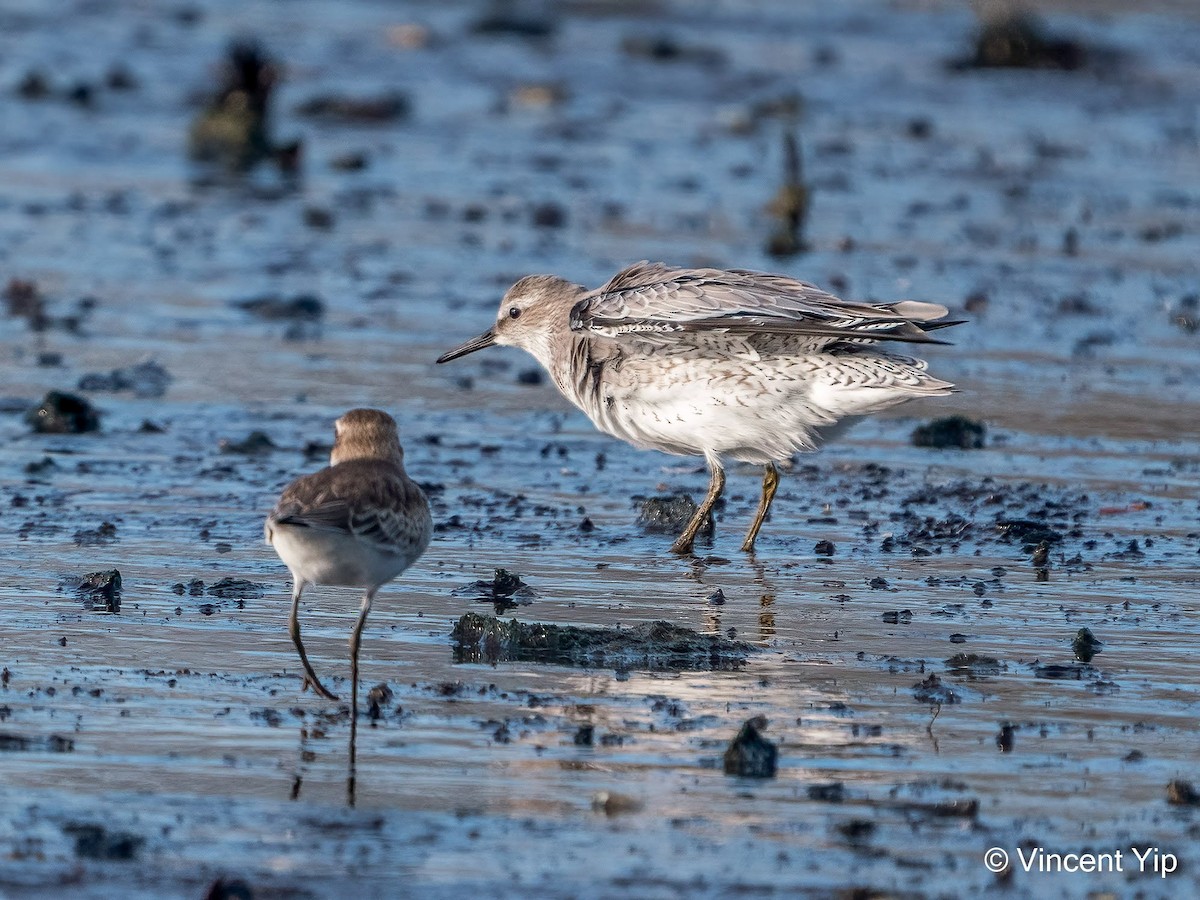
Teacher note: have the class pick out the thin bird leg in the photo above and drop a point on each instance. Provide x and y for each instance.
(294, 628)
(683, 545)
(770, 484)
(355, 643)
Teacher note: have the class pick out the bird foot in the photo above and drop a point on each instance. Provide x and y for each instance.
(318, 688)
(682, 548)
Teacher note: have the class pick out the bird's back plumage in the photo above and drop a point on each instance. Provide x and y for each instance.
(665, 304)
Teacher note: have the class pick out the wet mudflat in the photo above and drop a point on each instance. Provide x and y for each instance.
(913, 615)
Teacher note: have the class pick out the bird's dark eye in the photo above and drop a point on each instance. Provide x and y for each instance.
(514, 312)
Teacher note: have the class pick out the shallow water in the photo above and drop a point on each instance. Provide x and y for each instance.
(187, 729)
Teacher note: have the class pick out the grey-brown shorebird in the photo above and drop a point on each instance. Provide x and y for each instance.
(359, 522)
(717, 363)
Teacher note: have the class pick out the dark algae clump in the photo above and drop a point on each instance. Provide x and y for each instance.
(952, 432)
(751, 755)
(651, 645)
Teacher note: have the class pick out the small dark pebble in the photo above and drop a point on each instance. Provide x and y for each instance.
(834, 792)
(1085, 645)
(531, 376)
(957, 432)
(229, 889)
(897, 617)
(318, 217)
(271, 307)
(549, 215)
(256, 443)
(587, 526)
(34, 85)
(502, 19)
(120, 78)
(824, 548)
(856, 830)
(664, 48)
(389, 107)
(350, 161)
(585, 736)
(717, 597)
(62, 413)
(750, 755)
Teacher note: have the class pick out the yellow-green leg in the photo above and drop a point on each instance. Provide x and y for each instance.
(294, 628)
(770, 485)
(683, 544)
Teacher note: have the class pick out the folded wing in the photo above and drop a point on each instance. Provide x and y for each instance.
(385, 519)
(651, 301)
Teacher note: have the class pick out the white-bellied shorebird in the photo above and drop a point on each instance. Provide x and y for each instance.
(716, 363)
(358, 523)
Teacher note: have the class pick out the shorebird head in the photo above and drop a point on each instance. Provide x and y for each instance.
(366, 434)
(533, 310)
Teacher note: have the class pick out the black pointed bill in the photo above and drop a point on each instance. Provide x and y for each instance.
(485, 340)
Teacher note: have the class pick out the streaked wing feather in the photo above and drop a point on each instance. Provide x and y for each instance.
(389, 517)
(652, 299)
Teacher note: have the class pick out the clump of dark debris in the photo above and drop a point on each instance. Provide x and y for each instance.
(100, 590)
(789, 207)
(234, 128)
(303, 313)
(652, 645)
(1182, 793)
(273, 308)
(236, 589)
(506, 590)
(62, 413)
(105, 533)
(1012, 38)
(751, 755)
(669, 513)
(377, 698)
(1085, 645)
(20, 743)
(392, 106)
(146, 379)
(256, 443)
(931, 690)
(97, 842)
(952, 432)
